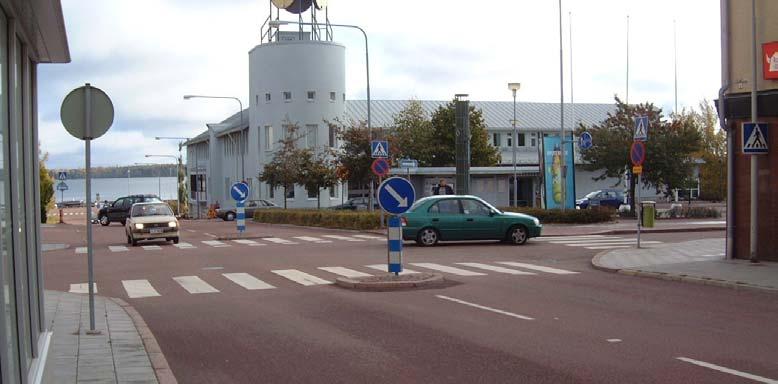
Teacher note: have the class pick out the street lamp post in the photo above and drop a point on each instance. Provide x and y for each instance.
(181, 142)
(159, 179)
(178, 200)
(242, 160)
(514, 87)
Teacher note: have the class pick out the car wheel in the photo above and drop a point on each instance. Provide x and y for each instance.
(134, 242)
(104, 221)
(129, 239)
(517, 235)
(229, 216)
(175, 240)
(427, 237)
(124, 222)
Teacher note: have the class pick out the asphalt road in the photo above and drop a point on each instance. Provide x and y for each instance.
(569, 324)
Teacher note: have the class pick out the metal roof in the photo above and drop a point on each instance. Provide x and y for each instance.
(228, 125)
(497, 114)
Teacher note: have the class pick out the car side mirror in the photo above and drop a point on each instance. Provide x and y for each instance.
(492, 213)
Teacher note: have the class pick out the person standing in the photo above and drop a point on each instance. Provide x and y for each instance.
(442, 188)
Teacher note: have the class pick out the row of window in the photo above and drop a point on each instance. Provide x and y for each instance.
(309, 135)
(333, 192)
(288, 97)
(497, 140)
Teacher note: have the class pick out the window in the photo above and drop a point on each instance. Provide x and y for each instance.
(333, 96)
(510, 141)
(496, 140)
(268, 97)
(311, 95)
(271, 192)
(344, 97)
(521, 140)
(290, 193)
(533, 142)
(287, 96)
(333, 191)
(333, 133)
(256, 99)
(268, 137)
(310, 135)
(474, 208)
(446, 207)
(311, 193)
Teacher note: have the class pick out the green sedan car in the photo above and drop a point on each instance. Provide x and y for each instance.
(449, 217)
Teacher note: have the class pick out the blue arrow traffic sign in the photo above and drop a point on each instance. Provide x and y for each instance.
(239, 191)
(396, 195)
(585, 140)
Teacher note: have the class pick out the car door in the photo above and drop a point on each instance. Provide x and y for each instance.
(479, 223)
(113, 211)
(446, 216)
(251, 206)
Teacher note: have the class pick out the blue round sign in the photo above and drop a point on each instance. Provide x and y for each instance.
(585, 140)
(396, 195)
(239, 191)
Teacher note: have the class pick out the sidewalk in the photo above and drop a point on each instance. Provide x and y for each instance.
(697, 261)
(624, 227)
(124, 351)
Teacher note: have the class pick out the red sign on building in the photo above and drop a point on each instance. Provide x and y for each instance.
(770, 61)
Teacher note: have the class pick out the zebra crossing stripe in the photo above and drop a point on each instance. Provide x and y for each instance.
(248, 242)
(81, 250)
(183, 245)
(194, 284)
(346, 272)
(82, 288)
(385, 268)
(625, 242)
(552, 238)
(151, 247)
(300, 277)
(247, 281)
(597, 240)
(447, 269)
(496, 268)
(312, 239)
(215, 243)
(610, 247)
(277, 240)
(139, 288)
(370, 237)
(118, 248)
(344, 238)
(538, 268)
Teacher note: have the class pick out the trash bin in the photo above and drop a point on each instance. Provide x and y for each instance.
(648, 213)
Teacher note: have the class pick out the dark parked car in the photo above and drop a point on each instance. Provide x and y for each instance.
(70, 204)
(120, 209)
(612, 198)
(229, 214)
(356, 204)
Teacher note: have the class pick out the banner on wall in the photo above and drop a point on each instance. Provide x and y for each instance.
(553, 172)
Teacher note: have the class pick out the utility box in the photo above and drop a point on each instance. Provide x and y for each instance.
(648, 213)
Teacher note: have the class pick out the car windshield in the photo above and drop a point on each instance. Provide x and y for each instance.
(151, 210)
(592, 195)
(418, 203)
(490, 206)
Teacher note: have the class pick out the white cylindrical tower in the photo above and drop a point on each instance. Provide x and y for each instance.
(296, 82)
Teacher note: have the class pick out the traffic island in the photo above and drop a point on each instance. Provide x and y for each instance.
(391, 282)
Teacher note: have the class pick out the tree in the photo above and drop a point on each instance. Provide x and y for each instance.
(183, 198)
(284, 170)
(354, 155)
(47, 188)
(318, 172)
(713, 171)
(443, 139)
(669, 149)
(411, 135)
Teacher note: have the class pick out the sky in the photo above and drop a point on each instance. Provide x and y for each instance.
(147, 54)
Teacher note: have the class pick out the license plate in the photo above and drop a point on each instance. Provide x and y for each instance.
(155, 230)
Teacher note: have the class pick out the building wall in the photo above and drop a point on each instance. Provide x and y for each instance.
(297, 67)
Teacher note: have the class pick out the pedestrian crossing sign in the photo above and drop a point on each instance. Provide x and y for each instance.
(641, 128)
(754, 138)
(379, 148)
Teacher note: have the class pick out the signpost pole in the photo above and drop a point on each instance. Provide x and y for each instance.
(370, 201)
(88, 161)
(62, 201)
(637, 205)
(395, 243)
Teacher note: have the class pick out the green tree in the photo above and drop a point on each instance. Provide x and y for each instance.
(713, 170)
(411, 135)
(443, 139)
(47, 188)
(354, 154)
(183, 198)
(318, 172)
(669, 149)
(284, 170)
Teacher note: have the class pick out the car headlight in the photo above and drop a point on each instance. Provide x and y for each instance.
(139, 226)
(172, 224)
(536, 221)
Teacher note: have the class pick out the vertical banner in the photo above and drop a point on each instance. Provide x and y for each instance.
(553, 172)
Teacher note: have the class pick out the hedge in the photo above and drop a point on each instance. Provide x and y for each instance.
(361, 220)
(568, 216)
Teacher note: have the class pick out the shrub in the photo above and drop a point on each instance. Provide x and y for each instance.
(569, 216)
(319, 218)
(693, 212)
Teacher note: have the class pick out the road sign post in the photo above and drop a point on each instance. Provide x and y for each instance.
(637, 153)
(395, 196)
(240, 192)
(408, 164)
(87, 113)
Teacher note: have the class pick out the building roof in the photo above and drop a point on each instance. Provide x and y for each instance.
(228, 125)
(497, 114)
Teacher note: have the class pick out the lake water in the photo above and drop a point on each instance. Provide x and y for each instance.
(112, 188)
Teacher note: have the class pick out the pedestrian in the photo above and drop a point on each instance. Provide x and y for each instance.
(442, 188)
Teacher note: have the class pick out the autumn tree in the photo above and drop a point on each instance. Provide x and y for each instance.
(47, 188)
(285, 169)
(713, 153)
(319, 171)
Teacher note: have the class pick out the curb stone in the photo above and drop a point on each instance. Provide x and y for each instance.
(435, 280)
(158, 362)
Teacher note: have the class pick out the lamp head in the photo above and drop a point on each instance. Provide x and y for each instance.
(514, 86)
(187, 97)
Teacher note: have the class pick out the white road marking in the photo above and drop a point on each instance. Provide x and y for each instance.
(553, 238)
(344, 238)
(215, 243)
(191, 230)
(300, 277)
(82, 288)
(247, 281)
(194, 284)
(731, 371)
(212, 268)
(139, 288)
(209, 234)
(81, 250)
(610, 247)
(151, 247)
(447, 269)
(604, 244)
(277, 240)
(613, 340)
(370, 237)
(496, 268)
(117, 248)
(345, 272)
(248, 242)
(385, 268)
(312, 239)
(183, 245)
(538, 268)
(598, 240)
(485, 308)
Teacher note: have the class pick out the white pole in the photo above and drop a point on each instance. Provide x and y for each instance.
(88, 161)
(562, 156)
(675, 67)
(627, 99)
(754, 238)
(572, 101)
